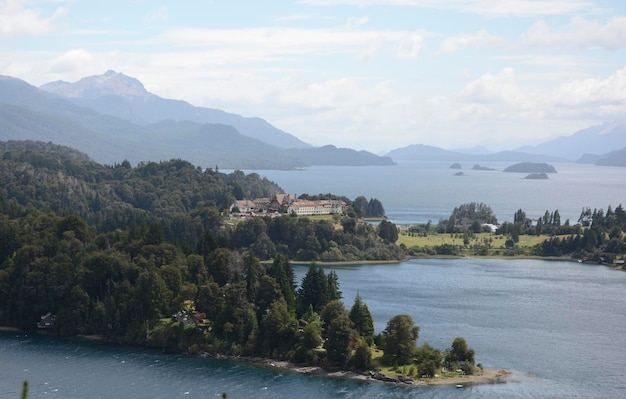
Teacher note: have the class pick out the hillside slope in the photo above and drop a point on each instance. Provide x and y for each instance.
(28, 113)
(126, 98)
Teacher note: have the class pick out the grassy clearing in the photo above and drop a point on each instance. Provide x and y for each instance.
(482, 244)
(411, 370)
(496, 241)
(390, 371)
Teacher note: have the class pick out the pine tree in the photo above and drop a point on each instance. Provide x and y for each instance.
(317, 289)
(362, 319)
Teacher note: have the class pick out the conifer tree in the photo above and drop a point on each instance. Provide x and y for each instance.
(362, 319)
(311, 290)
(282, 272)
(340, 335)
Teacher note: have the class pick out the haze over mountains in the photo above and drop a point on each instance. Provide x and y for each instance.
(125, 97)
(429, 153)
(602, 145)
(112, 117)
(596, 144)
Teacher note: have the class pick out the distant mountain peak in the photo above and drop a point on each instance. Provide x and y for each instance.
(597, 139)
(109, 83)
(608, 127)
(124, 97)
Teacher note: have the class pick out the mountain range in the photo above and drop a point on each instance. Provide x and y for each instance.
(421, 152)
(593, 145)
(112, 117)
(124, 97)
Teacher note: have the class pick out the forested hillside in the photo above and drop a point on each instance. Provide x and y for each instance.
(144, 255)
(74, 230)
(184, 200)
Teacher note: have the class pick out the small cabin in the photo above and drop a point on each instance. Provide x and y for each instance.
(47, 321)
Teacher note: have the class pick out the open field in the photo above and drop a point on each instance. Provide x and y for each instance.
(497, 241)
(482, 244)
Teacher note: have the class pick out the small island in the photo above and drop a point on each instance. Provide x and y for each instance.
(479, 167)
(456, 165)
(537, 176)
(530, 167)
(459, 174)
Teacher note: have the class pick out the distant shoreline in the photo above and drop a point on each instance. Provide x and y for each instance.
(384, 262)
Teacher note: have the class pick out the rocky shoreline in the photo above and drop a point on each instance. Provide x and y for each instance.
(486, 376)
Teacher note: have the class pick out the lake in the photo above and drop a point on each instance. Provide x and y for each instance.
(558, 326)
(416, 192)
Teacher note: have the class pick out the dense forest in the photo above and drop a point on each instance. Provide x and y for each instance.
(184, 203)
(143, 255)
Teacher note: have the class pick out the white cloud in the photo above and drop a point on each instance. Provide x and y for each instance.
(481, 37)
(295, 17)
(157, 15)
(409, 46)
(579, 33)
(490, 88)
(569, 61)
(605, 98)
(491, 8)
(505, 105)
(72, 61)
(18, 20)
(357, 22)
(294, 41)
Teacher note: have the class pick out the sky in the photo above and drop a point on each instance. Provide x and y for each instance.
(365, 74)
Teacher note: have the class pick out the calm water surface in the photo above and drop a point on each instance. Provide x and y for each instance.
(415, 192)
(559, 326)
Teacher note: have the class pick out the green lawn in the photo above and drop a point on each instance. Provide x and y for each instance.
(497, 241)
(482, 244)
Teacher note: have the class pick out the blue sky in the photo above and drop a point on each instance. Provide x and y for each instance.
(365, 74)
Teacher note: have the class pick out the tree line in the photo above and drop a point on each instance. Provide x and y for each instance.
(342, 239)
(596, 236)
